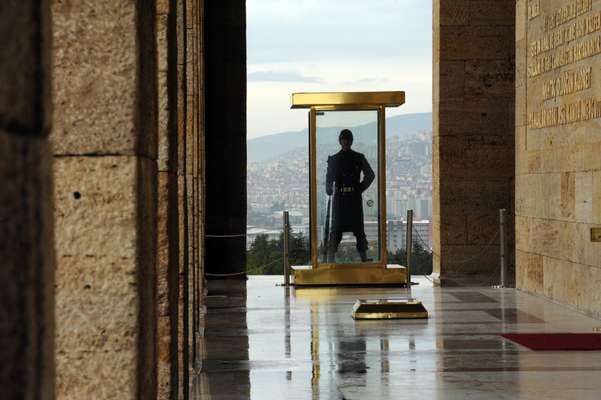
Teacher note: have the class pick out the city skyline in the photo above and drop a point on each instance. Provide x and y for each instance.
(282, 182)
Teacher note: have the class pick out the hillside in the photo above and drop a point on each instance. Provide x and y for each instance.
(272, 146)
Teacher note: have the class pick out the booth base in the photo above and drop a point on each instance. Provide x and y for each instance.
(349, 274)
(408, 308)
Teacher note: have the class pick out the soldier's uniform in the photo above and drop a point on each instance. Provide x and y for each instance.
(343, 181)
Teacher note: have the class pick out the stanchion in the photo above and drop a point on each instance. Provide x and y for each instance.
(503, 244)
(409, 245)
(286, 224)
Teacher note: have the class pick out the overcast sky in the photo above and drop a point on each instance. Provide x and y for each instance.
(334, 45)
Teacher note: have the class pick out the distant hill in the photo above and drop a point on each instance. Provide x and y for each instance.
(267, 147)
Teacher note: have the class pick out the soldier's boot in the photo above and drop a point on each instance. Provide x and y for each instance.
(364, 258)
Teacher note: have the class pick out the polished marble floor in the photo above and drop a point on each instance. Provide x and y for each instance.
(262, 341)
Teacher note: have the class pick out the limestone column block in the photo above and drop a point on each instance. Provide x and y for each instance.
(521, 154)
(583, 196)
(492, 12)
(104, 78)
(482, 229)
(477, 156)
(490, 77)
(453, 230)
(594, 307)
(166, 159)
(105, 299)
(465, 260)
(521, 269)
(534, 275)
(556, 278)
(596, 197)
(578, 286)
(522, 233)
(491, 42)
(485, 196)
(452, 13)
(476, 115)
(452, 75)
(183, 345)
(167, 286)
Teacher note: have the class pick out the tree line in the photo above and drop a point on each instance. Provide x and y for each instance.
(265, 256)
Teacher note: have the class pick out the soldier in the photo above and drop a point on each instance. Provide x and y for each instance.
(343, 179)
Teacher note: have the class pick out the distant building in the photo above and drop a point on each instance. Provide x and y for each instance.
(303, 229)
(252, 233)
(396, 231)
(425, 208)
(397, 234)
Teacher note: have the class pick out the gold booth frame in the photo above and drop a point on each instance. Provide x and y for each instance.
(368, 273)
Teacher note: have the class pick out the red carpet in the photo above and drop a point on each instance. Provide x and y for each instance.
(556, 341)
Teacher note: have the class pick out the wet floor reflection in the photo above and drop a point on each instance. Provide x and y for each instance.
(315, 363)
(225, 344)
(263, 341)
(288, 343)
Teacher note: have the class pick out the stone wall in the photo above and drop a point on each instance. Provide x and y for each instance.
(27, 258)
(558, 150)
(473, 139)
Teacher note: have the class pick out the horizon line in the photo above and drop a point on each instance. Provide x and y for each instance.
(305, 128)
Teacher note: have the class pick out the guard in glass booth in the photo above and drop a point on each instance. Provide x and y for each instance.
(343, 181)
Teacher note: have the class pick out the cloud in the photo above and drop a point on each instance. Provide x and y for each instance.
(368, 81)
(334, 45)
(318, 30)
(281, 76)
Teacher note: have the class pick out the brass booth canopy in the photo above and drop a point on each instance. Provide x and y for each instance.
(386, 99)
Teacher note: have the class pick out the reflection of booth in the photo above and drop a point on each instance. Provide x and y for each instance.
(364, 114)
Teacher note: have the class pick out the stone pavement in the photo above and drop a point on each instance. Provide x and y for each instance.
(261, 344)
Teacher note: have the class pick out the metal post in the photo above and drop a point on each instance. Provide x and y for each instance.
(286, 240)
(502, 244)
(409, 244)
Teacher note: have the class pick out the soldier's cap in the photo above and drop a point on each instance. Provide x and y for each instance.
(346, 134)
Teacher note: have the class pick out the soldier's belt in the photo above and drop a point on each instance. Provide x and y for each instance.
(346, 189)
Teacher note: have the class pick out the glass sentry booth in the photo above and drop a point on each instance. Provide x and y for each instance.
(348, 238)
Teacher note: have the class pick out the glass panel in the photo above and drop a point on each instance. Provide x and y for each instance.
(347, 180)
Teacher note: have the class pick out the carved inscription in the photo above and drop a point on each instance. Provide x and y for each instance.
(533, 9)
(568, 83)
(565, 55)
(566, 35)
(565, 14)
(572, 33)
(578, 111)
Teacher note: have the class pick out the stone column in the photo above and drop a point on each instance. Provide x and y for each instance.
(225, 113)
(473, 134)
(185, 167)
(168, 235)
(105, 146)
(183, 343)
(26, 223)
